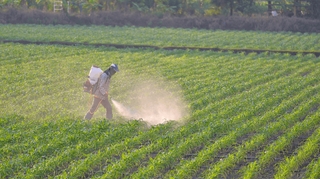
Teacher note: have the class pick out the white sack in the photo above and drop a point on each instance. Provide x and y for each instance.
(94, 74)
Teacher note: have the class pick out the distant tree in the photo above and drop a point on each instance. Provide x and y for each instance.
(249, 7)
(269, 8)
(90, 6)
(242, 6)
(225, 4)
(298, 8)
(314, 8)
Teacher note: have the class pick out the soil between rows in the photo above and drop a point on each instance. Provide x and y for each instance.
(121, 46)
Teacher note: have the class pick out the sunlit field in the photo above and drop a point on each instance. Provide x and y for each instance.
(240, 115)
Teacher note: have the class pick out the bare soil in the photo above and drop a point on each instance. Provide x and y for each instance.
(121, 46)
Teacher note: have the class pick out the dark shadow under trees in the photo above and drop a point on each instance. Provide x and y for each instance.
(117, 18)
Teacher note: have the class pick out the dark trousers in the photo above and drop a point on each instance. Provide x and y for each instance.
(95, 104)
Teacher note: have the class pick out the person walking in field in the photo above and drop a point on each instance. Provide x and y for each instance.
(100, 93)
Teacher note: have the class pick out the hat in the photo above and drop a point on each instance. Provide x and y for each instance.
(115, 67)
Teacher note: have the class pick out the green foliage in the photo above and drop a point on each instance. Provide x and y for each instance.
(164, 37)
(90, 6)
(175, 7)
(140, 7)
(240, 106)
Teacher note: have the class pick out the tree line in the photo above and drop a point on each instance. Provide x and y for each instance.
(298, 8)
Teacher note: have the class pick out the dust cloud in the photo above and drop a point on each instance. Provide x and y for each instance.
(153, 103)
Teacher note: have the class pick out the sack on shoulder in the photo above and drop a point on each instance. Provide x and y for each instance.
(89, 85)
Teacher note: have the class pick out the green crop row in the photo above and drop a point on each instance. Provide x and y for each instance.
(162, 37)
(289, 165)
(313, 169)
(167, 159)
(205, 155)
(40, 149)
(280, 144)
(237, 104)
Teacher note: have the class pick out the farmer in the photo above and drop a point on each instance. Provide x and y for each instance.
(101, 93)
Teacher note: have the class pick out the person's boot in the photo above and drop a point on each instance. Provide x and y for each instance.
(109, 115)
(88, 116)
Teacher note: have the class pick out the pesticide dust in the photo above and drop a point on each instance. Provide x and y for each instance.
(152, 103)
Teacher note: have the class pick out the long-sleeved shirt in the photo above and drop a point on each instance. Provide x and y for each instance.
(102, 86)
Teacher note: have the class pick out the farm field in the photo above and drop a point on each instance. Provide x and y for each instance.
(243, 116)
(163, 37)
